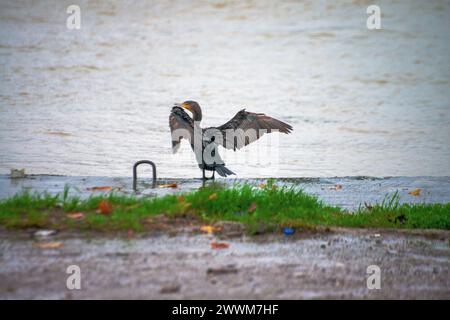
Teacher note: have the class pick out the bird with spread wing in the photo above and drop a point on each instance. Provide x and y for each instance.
(244, 128)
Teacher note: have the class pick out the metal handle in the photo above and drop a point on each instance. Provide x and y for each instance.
(135, 172)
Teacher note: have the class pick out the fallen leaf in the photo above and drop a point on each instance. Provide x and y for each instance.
(76, 215)
(210, 229)
(104, 188)
(336, 187)
(169, 185)
(104, 207)
(180, 199)
(262, 185)
(252, 207)
(415, 192)
(219, 245)
(213, 196)
(48, 245)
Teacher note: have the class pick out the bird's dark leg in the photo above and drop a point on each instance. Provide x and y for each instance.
(204, 175)
(214, 171)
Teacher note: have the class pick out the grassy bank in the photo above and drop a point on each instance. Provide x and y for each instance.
(258, 208)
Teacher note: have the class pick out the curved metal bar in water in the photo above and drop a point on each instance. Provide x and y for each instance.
(135, 172)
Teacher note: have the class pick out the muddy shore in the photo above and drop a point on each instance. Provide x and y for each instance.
(327, 264)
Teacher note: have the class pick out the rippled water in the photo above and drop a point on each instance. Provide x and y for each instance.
(94, 100)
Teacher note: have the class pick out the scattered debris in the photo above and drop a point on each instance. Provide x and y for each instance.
(415, 192)
(170, 288)
(221, 270)
(323, 246)
(213, 196)
(17, 173)
(288, 231)
(104, 207)
(336, 187)
(58, 133)
(45, 233)
(76, 215)
(103, 188)
(48, 245)
(210, 229)
(169, 185)
(219, 245)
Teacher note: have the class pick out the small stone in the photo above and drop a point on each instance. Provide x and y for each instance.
(221, 270)
(45, 233)
(170, 288)
(323, 246)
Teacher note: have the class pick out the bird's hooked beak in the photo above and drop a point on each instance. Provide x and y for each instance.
(183, 105)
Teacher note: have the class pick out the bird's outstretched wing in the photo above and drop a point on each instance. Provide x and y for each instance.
(246, 127)
(181, 126)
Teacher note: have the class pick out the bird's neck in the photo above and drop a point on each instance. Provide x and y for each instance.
(197, 116)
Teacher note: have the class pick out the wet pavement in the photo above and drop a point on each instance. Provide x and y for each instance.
(323, 264)
(327, 265)
(347, 192)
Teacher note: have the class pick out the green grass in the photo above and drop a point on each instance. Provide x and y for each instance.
(267, 209)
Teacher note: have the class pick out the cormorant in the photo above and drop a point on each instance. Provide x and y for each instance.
(244, 128)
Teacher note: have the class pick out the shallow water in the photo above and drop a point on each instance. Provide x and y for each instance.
(93, 101)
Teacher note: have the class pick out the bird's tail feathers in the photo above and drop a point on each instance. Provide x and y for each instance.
(223, 171)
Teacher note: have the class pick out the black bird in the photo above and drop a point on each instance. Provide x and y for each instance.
(244, 128)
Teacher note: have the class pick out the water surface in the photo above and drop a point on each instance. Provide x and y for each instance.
(93, 101)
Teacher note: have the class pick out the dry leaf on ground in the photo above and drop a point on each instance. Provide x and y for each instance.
(212, 196)
(210, 229)
(104, 207)
(169, 185)
(103, 188)
(76, 215)
(48, 245)
(219, 245)
(415, 192)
